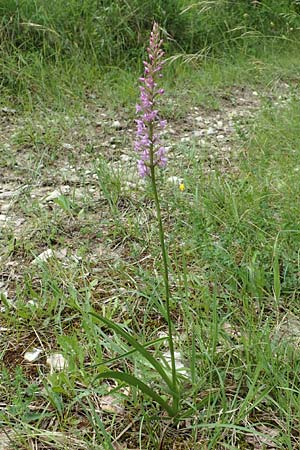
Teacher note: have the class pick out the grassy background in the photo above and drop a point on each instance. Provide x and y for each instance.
(79, 42)
(233, 234)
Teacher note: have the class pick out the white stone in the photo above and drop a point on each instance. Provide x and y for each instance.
(47, 254)
(44, 256)
(174, 180)
(52, 196)
(67, 146)
(33, 354)
(31, 303)
(8, 110)
(56, 361)
(116, 124)
(180, 368)
(109, 404)
(199, 133)
(125, 158)
(5, 207)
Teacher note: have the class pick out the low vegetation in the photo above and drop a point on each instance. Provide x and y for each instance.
(79, 234)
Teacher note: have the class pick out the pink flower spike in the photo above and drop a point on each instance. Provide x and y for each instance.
(149, 124)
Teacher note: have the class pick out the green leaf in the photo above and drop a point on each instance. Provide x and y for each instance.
(4, 300)
(276, 272)
(130, 352)
(157, 366)
(64, 202)
(276, 276)
(133, 381)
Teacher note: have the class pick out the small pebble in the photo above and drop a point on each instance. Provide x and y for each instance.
(56, 361)
(116, 124)
(33, 354)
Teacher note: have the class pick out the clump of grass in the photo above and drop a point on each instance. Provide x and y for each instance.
(115, 30)
(43, 42)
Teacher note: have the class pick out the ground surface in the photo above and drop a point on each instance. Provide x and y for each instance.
(68, 187)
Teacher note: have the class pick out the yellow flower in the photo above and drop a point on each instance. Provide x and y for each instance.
(182, 187)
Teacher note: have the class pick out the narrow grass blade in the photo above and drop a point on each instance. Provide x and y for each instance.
(276, 273)
(157, 366)
(133, 381)
(97, 423)
(276, 276)
(130, 352)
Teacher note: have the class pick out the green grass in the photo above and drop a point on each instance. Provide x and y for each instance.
(87, 45)
(233, 239)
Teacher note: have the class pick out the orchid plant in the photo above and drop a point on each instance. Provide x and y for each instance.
(152, 154)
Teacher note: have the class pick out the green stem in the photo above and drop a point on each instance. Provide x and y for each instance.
(166, 269)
